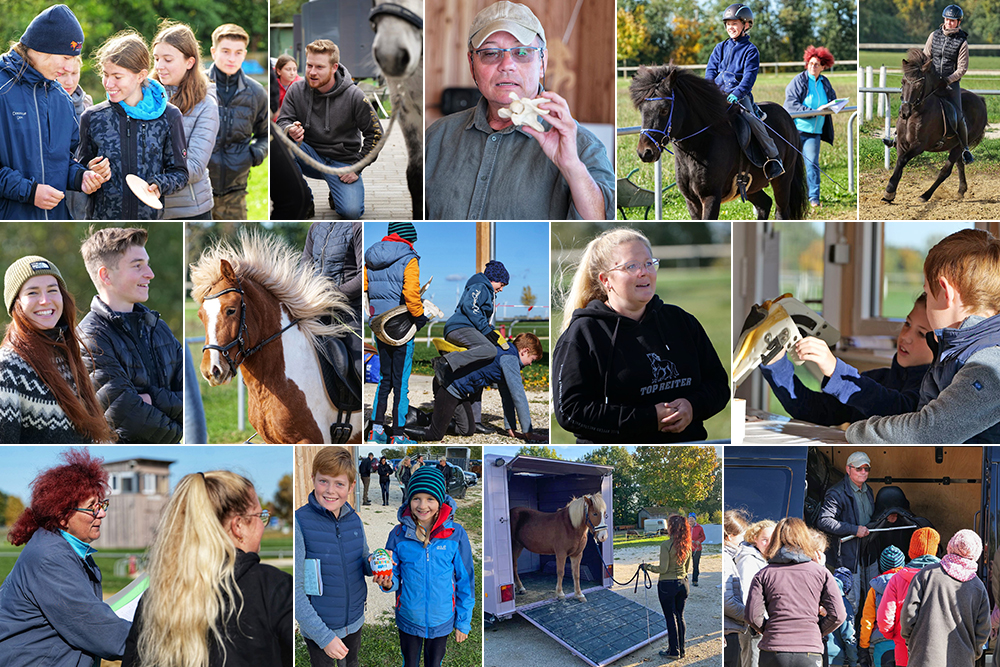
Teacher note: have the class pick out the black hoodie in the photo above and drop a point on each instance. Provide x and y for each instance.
(611, 371)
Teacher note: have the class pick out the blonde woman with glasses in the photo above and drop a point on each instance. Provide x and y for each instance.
(628, 367)
(210, 601)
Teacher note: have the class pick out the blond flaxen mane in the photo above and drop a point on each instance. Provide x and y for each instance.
(578, 508)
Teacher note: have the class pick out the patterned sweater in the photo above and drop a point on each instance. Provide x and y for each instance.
(29, 412)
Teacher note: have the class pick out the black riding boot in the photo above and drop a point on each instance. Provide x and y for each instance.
(773, 167)
(963, 136)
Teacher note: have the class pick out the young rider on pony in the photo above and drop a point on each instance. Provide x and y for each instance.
(733, 66)
(948, 48)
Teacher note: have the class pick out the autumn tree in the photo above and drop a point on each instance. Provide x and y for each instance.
(632, 34)
(539, 451)
(628, 494)
(528, 297)
(12, 510)
(282, 504)
(675, 475)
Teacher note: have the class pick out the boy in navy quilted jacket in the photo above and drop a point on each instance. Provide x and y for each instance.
(330, 538)
(432, 572)
(137, 129)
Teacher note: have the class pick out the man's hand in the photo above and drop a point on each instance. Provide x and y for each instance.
(679, 418)
(92, 182)
(296, 132)
(102, 166)
(814, 349)
(336, 649)
(862, 531)
(348, 178)
(146, 398)
(47, 197)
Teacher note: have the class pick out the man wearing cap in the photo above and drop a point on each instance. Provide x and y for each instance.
(480, 166)
(38, 129)
(365, 472)
(697, 537)
(847, 508)
(392, 277)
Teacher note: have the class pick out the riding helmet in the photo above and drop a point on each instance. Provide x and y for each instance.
(953, 12)
(738, 12)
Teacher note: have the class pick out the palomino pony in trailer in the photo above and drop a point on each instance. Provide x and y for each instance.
(921, 124)
(709, 162)
(264, 312)
(399, 51)
(561, 533)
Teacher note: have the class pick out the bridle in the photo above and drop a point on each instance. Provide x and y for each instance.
(665, 137)
(399, 11)
(239, 340)
(919, 100)
(603, 525)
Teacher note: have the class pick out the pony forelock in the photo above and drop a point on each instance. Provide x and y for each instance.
(577, 507)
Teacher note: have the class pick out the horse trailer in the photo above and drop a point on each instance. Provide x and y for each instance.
(605, 627)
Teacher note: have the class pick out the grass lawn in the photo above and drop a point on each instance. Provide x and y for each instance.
(257, 199)
(837, 202)
(705, 294)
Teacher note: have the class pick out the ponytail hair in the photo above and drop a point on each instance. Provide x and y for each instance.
(192, 590)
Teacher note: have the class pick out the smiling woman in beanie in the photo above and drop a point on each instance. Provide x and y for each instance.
(45, 392)
(38, 127)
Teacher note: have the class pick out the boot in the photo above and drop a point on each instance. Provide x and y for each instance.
(773, 168)
(889, 142)
(963, 136)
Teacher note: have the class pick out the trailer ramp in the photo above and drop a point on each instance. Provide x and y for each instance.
(599, 631)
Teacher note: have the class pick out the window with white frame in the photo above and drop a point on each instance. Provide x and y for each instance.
(149, 483)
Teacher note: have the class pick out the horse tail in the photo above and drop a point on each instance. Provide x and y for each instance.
(798, 192)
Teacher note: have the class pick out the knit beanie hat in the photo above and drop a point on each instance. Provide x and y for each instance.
(23, 270)
(496, 272)
(429, 480)
(966, 544)
(55, 30)
(405, 230)
(891, 558)
(843, 575)
(924, 543)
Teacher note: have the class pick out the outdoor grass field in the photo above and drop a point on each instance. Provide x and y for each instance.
(837, 202)
(258, 204)
(705, 294)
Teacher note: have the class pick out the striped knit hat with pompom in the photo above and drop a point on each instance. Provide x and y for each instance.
(429, 480)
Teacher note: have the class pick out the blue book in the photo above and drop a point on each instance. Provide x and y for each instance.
(313, 580)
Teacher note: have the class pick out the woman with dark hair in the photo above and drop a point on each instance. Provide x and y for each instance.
(287, 72)
(51, 605)
(385, 471)
(45, 391)
(808, 91)
(673, 587)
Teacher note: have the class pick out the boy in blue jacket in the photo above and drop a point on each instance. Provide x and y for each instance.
(470, 326)
(733, 66)
(960, 394)
(847, 395)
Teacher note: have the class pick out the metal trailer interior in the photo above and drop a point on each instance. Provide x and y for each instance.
(605, 627)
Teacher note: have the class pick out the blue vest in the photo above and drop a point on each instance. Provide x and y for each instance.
(339, 546)
(386, 262)
(491, 373)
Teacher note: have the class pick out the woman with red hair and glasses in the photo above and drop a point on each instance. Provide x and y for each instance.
(51, 604)
(45, 391)
(673, 587)
(810, 90)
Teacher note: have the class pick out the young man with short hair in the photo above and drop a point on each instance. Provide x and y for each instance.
(242, 139)
(137, 365)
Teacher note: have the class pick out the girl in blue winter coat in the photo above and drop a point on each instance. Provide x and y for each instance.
(432, 571)
(137, 129)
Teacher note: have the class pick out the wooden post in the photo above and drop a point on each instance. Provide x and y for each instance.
(304, 456)
(484, 246)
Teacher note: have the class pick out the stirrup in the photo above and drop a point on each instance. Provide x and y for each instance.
(967, 157)
(772, 165)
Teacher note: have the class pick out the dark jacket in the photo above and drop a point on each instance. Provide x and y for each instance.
(838, 516)
(944, 50)
(135, 353)
(475, 307)
(155, 150)
(261, 636)
(52, 611)
(733, 66)
(38, 137)
(335, 250)
(611, 371)
(365, 468)
(847, 395)
(242, 140)
(384, 472)
(796, 91)
(784, 601)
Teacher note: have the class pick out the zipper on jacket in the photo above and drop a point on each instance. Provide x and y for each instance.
(129, 167)
(343, 563)
(41, 154)
(427, 598)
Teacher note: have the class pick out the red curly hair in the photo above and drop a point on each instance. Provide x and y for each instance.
(680, 535)
(821, 52)
(55, 492)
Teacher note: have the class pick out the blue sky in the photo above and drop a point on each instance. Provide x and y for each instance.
(915, 234)
(448, 252)
(264, 466)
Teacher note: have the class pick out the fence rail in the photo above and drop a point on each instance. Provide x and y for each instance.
(625, 69)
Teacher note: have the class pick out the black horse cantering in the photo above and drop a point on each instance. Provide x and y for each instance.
(921, 124)
(677, 105)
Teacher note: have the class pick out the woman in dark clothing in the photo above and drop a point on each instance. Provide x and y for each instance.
(631, 368)
(673, 587)
(210, 602)
(384, 476)
(785, 597)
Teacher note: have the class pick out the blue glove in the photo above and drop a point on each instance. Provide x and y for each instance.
(732, 99)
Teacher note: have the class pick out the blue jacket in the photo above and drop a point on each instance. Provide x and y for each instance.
(386, 261)
(504, 372)
(342, 550)
(52, 611)
(847, 395)
(839, 517)
(733, 66)
(435, 585)
(842, 643)
(475, 308)
(795, 93)
(879, 584)
(38, 136)
(483, 376)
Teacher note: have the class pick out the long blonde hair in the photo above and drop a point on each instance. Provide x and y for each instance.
(597, 257)
(192, 585)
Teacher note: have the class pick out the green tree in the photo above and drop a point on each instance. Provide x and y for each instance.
(13, 509)
(676, 476)
(633, 35)
(282, 504)
(539, 451)
(628, 493)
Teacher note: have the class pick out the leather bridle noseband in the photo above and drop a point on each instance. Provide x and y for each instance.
(399, 11)
(239, 340)
(665, 137)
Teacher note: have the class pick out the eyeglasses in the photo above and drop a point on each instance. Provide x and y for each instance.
(633, 267)
(264, 516)
(96, 509)
(520, 54)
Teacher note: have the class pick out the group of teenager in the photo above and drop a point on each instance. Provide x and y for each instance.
(191, 135)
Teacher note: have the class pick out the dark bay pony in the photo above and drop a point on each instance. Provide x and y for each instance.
(677, 105)
(561, 533)
(262, 311)
(920, 126)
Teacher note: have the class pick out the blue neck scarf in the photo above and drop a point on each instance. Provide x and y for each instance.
(81, 548)
(152, 105)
